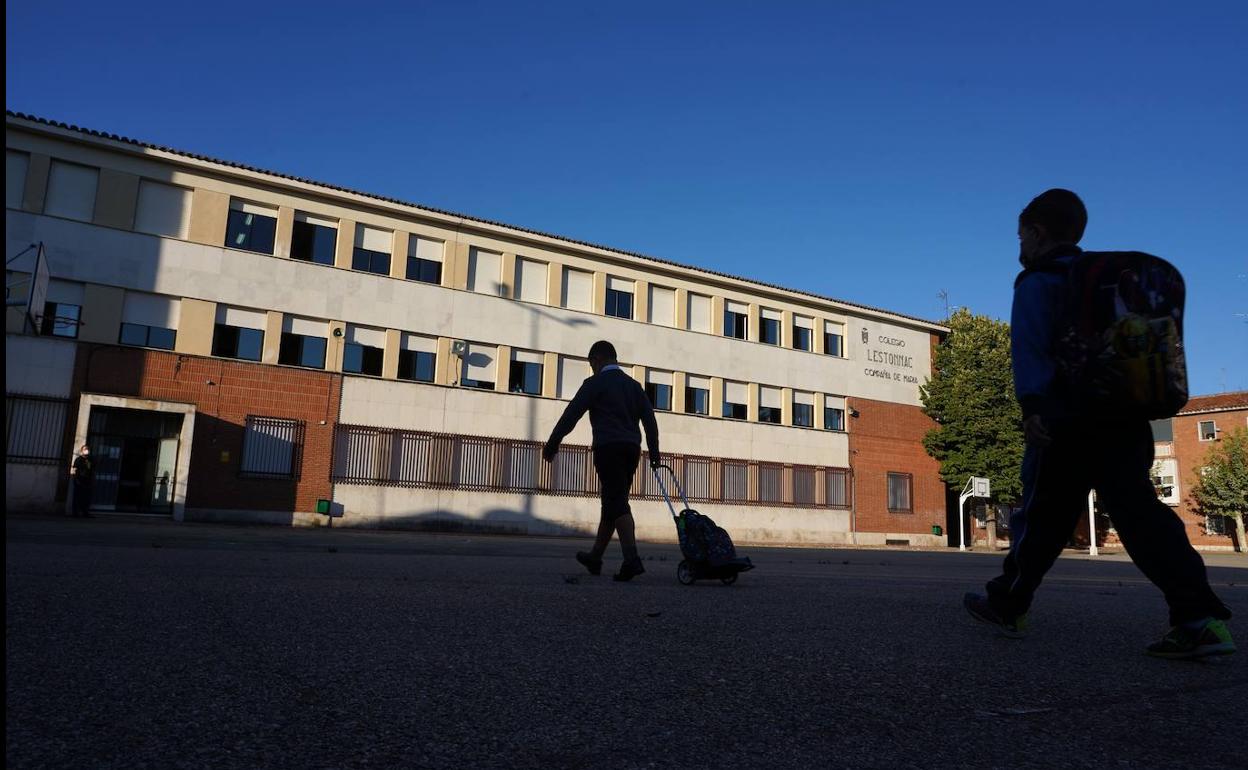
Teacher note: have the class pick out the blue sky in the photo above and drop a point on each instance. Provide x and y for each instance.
(877, 152)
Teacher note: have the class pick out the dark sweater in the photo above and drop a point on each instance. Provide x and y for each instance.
(616, 403)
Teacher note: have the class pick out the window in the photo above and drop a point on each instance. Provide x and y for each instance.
(834, 339)
(619, 298)
(272, 448)
(417, 358)
(485, 269)
(804, 410)
(15, 168)
(250, 227)
(60, 319)
(365, 351)
(149, 321)
(736, 401)
(314, 239)
(699, 313)
(697, 395)
(836, 488)
(1163, 430)
(531, 280)
(239, 333)
(736, 320)
(424, 260)
(659, 389)
(803, 333)
(769, 333)
(163, 209)
(662, 306)
(578, 290)
(1217, 525)
(1164, 474)
(372, 250)
(899, 486)
(769, 400)
(478, 367)
(303, 342)
(833, 418)
(71, 191)
(1208, 430)
(526, 373)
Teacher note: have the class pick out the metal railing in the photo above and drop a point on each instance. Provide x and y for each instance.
(418, 459)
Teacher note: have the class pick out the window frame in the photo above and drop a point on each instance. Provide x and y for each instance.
(691, 400)
(890, 476)
(839, 346)
(653, 391)
(827, 409)
(745, 410)
(611, 306)
(798, 333)
(770, 415)
(299, 430)
(414, 357)
(1200, 433)
(237, 331)
(765, 324)
(368, 354)
(740, 322)
(421, 263)
(52, 319)
(313, 257)
(799, 407)
(518, 375)
(147, 336)
(289, 338)
(229, 221)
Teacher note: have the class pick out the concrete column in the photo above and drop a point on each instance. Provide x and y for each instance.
(754, 332)
(600, 292)
(717, 316)
(116, 197)
(641, 301)
(346, 244)
(717, 397)
(786, 406)
(554, 284)
(502, 368)
(509, 275)
(336, 345)
(817, 343)
(678, 392)
(36, 190)
(272, 348)
(398, 257)
(682, 308)
(197, 320)
(390, 357)
(284, 234)
(445, 371)
(639, 374)
(751, 402)
(209, 212)
(459, 273)
(550, 375)
(786, 329)
(101, 313)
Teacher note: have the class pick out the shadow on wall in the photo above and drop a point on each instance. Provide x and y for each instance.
(217, 481)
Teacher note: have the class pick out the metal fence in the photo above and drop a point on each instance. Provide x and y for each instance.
(401, 458)
(35, 429)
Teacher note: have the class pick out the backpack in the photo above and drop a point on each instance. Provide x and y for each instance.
(1119, 339)
(703, 540)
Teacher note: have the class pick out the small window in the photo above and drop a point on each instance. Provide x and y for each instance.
(60, 319)
(1208, 430)
(769, 414)
(372, 250)
(735, 411)
(1217, 525)
(272, 448)
(362, 359)
(71, 191)
(804, 415)
(424, 260)
(416, 365)
(833, 418)
(770, 331)
(619, 303)
(302, 350)
(660, 396)
(736, 324)
(370, 261)
(143, 336)
(834, 344)
(250, 227)
(899, 488)
(1163, 430)
(525, 377)
(314, 239)
(697, 400)
(237, 342)
(802, 338)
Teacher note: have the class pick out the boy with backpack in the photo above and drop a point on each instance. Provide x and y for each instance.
(1097, 352)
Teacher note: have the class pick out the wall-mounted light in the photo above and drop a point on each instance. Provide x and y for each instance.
(337, 331)
(853, 413)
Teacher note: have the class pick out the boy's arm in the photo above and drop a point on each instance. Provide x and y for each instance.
(1031, 343)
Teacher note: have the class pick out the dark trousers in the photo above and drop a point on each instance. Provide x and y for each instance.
(1114, 459)
(82, 497)
(616, 465)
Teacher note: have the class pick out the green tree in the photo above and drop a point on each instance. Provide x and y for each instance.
(1222, 489)
(971, 398)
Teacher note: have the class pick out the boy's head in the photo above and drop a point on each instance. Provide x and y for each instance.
(1053, 217)
(601, 353)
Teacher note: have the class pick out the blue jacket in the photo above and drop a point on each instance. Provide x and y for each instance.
(615, 403)
(1038, 293)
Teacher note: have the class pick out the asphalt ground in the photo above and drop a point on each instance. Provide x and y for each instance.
(148, 644)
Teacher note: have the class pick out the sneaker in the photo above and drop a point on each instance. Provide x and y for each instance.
(629, 570)
(590, 562)
(1014, 627)
(1182, 643)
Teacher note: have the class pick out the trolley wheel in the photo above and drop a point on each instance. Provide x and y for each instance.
(684, 573)
(729, 580)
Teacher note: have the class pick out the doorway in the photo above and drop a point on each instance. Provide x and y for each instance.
(136, 459)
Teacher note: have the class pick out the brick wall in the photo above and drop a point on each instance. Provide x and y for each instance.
(888, 437)
(225, 393)
(1190, 452)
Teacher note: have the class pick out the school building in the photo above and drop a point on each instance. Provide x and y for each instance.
(236, 344)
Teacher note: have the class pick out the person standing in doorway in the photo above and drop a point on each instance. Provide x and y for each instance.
(1068, 453)
(83, 474)
(616, 403)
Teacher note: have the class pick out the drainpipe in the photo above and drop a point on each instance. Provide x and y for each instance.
(853, 506)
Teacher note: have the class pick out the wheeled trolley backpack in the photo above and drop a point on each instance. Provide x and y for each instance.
(707, 548)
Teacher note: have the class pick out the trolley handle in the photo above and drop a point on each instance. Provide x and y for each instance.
(659, 478)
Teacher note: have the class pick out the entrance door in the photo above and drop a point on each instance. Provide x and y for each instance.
(137, 453)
